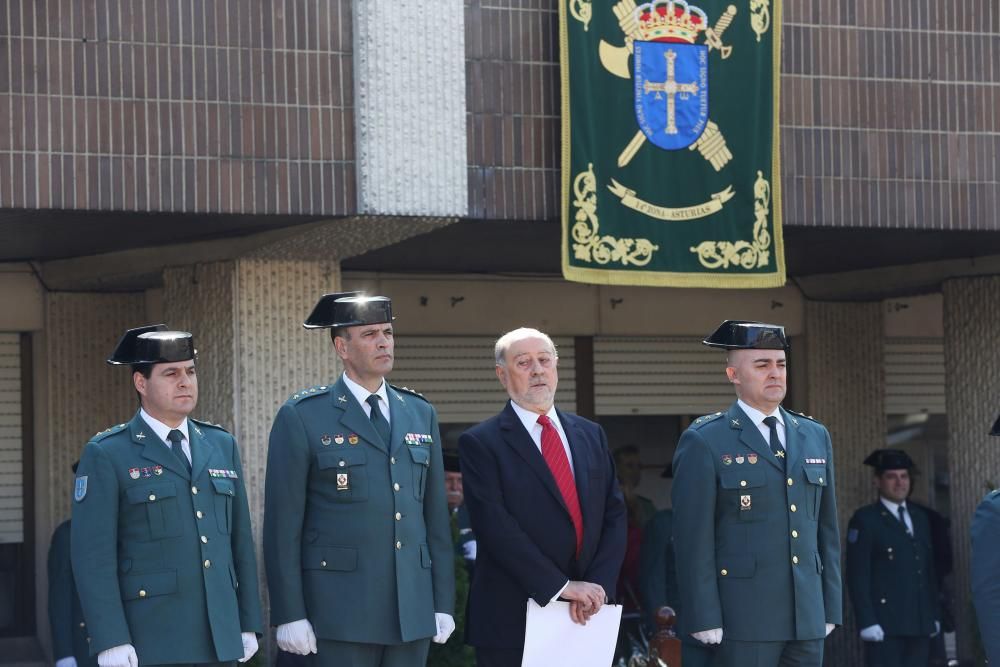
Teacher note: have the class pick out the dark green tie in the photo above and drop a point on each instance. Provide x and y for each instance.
(779, 451)
(175, 437)
(378, 419)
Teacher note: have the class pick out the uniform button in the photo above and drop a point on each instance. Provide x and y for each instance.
(88, 640)
(820, 480)
(204, 540)
(743, 482)
(395, 486)
(792, 507)
(790, 482)
(392, 460)
(795, 560)
(194, 490)
(398, 516)
(724, 572)
(152, 496)
(82, 624)
(795, 533)
(342, 464)
(322, 563)
(208, 563)
(882, 600)
(142, 594)
(399, 545)
(199, 514)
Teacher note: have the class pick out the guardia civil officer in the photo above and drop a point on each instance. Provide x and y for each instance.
(755, 534)
(357, 539)
(162, 550)
(69, 630)
(890, 569)
(985, 566)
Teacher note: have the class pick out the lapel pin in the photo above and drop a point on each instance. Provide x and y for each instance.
(353, 439)
(740, 460)
(326, 440)
(727, 459)
(339, 439)
(342, 399)
(133, 473)
(140, 435)
(752, 458)
(157, 470)
(736, 422)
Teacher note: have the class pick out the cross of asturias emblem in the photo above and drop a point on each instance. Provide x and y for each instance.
(671, 88)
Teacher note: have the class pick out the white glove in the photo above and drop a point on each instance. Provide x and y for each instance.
(829, 628)
(249, 645)
(713, 636)
(296, 637)
(445, 626)
(469, 550)
(118, 656)
(873, 633)
(66, 662)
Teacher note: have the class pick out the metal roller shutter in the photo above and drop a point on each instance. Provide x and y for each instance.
(456, 374)
(11, 479)
(658, 376)
(914, 376)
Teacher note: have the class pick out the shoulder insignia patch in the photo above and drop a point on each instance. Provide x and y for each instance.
(852, 535)
(308, 393)
(111, 430)
(412, 392)
(80, 489)
(701, 421)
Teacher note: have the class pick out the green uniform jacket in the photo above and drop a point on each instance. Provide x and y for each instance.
(749, 538)
(890, 575)
(69, 631)
(164, 559)
(356, 532)
(985, 573)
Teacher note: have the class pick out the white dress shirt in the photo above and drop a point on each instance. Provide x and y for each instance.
(534, 429)
(758, 417)
(362, 394)
(162, 430)
(894, 510)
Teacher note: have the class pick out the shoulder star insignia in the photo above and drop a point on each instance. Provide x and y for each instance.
(736, 422)
(342, 399)
(780, 454)
(140, 435)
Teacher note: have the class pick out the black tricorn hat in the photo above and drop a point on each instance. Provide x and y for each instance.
(889, 459)
(349, 309)
(746, 335)
(153, 344)
(996, 427)
(451, 462)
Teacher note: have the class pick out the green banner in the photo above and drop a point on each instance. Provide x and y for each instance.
(670, 143)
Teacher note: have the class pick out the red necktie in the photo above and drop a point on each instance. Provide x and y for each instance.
(555, 456)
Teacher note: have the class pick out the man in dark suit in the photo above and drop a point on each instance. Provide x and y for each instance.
(985, 569)
(890, 569)
(755, 519)
(357, 543)
(545, 506)
(162, 550)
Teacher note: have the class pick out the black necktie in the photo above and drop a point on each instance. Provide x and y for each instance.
(779, 451)
(175, 437)
(902, 519)
(378, 419)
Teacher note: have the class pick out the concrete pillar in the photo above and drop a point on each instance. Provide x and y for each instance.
(972, 389)
(246, 316)
(846, 392)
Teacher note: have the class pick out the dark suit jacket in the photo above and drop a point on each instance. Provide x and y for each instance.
(527, 544)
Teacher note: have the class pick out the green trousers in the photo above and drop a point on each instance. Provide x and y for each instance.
(351, 654)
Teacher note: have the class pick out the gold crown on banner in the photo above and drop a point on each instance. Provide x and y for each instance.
(669, 21)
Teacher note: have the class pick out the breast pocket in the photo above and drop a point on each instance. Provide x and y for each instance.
(344, 472)
(816, 480)
(421, 457)
(225, 492)
(743, 492)
(162, 513)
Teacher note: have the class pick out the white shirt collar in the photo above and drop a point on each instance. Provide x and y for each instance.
(362, 394)
(758, 417)
(530, 419)
(893, 507)
(162, 429)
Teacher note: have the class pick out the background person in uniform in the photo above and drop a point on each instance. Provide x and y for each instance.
(541, 490)
(357, 544)
(465, 546)
(755, 519)
(162, 551)
(69, 631)
(890, 569)
(985, 569)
